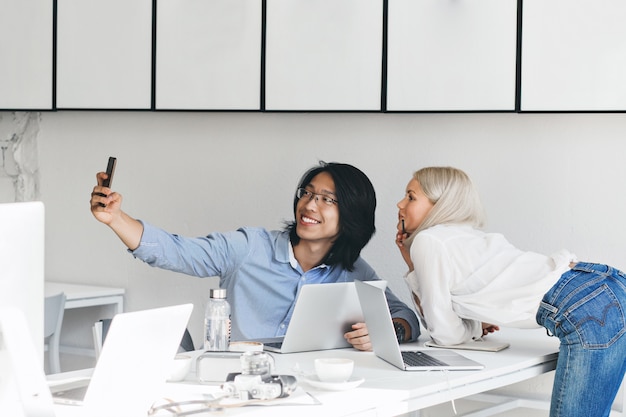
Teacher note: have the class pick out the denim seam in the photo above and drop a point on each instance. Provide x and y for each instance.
(559, 399)
(578, 289)
(564, 282)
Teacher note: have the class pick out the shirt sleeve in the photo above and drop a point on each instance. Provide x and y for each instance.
(431, 281)
(400, 310)
(208, 256)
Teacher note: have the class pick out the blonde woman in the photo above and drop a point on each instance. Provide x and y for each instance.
(467, 283)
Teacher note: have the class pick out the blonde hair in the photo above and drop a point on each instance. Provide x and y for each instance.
(454, 196)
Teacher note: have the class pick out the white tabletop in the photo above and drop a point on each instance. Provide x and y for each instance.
(390, 391)
(82, 295)
(81, 291)
(386, 390)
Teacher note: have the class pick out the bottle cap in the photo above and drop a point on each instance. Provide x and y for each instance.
(217, 293)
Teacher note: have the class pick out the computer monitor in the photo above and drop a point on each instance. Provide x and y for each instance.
(23, 388)
(22, 265)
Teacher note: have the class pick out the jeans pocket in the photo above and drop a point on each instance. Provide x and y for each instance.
(598, 318)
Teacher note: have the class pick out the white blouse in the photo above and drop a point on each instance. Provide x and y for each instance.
(464, 276)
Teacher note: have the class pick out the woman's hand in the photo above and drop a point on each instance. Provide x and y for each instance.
(489, 328)
(404, 250)
(359, 337)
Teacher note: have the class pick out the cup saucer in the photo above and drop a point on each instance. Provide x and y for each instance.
(314, 381)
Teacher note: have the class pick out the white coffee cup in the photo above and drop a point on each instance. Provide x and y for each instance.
(333, 369)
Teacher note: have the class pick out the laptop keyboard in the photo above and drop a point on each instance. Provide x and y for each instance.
(420, 359)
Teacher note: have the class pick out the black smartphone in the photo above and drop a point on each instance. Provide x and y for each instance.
(110, 171)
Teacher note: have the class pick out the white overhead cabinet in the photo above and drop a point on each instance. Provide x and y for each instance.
(317, 55)
(451, 55)
(26, 54)
(573, 55)
(323, 55)
(208, 54)
(104, 54)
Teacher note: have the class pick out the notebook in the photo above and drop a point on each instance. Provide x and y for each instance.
(133, 364)
(321, 316)
(480, 344)
(385, 345)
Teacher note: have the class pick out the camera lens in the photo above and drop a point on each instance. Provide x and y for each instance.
(256, 363)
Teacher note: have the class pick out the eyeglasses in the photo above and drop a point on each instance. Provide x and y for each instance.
(326, 199)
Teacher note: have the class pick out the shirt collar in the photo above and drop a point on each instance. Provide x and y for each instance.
(292, 257)
(294, 262)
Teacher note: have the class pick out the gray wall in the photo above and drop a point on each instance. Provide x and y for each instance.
(548, 181)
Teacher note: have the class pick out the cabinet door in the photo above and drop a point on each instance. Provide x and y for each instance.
(208, 54)
(104, 54)
(573, 55)
(26, 54)
(449, 55)
(323, 54)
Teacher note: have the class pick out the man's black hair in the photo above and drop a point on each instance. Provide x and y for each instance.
(357, 205)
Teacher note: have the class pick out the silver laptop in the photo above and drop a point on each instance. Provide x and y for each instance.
(385, 345)
(321, 316)
(133, 365)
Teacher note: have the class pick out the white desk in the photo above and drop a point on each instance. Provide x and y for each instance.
(388, 391)
(78, 295)
(81, 296)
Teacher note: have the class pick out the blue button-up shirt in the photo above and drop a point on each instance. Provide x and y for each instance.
(259, 271)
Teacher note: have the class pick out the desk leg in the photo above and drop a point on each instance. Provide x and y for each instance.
(120, 305)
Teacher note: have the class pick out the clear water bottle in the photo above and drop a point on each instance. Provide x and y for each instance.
(217, 321)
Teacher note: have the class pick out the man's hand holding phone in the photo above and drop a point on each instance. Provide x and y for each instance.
(107, 209)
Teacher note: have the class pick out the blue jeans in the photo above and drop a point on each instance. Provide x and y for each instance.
(586, 309)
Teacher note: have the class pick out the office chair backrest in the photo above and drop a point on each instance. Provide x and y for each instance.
(54, 308)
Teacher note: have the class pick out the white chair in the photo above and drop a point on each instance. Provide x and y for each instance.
(54, 307)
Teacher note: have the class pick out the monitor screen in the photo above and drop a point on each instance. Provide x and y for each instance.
(22, 265)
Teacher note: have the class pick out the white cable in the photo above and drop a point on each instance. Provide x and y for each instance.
(445, 372)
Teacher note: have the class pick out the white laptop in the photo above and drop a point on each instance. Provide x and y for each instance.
(321, 316)
(133, 365)
(385, 345)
